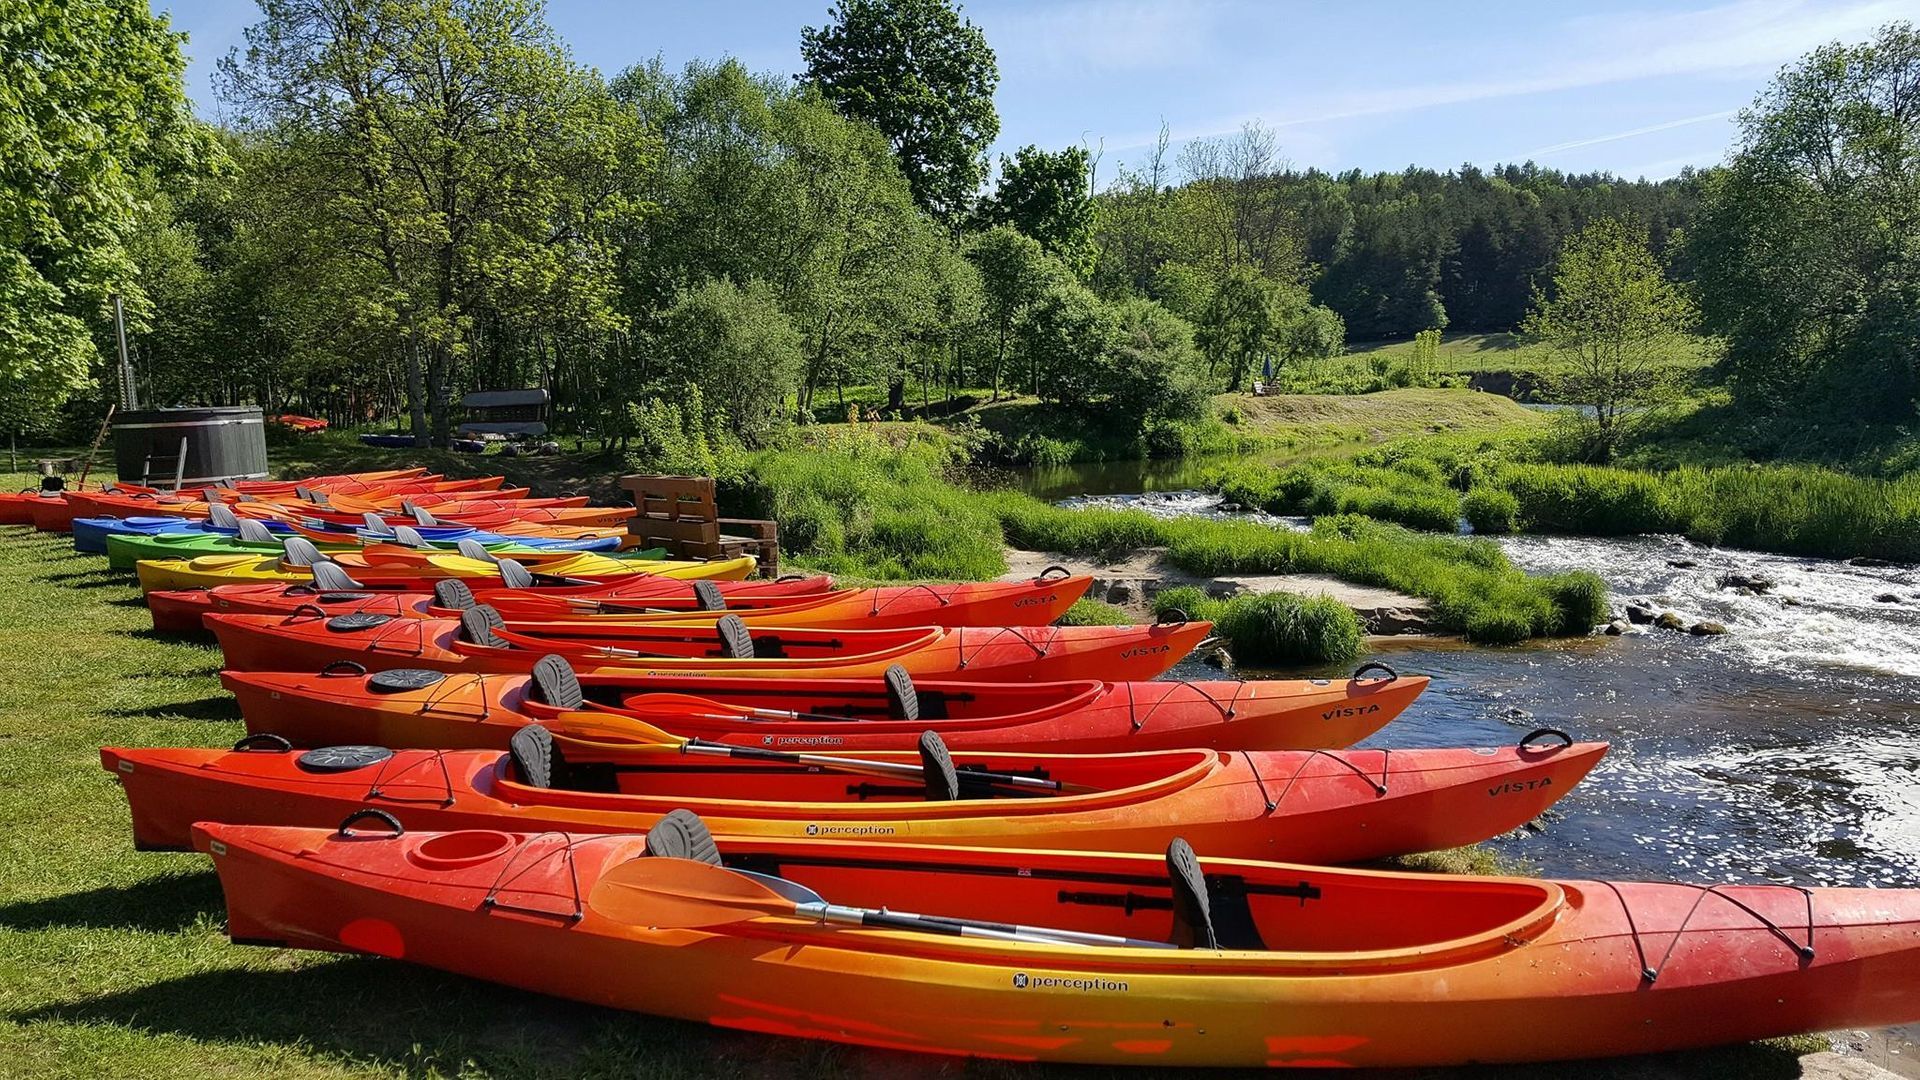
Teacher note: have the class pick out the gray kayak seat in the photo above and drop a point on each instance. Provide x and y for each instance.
(682, 835)
(903, 702)
(708, 596)
(453, 593)
(420, 517)
(1192, 908)
(534, 756)
(253, 532)
(513, 575)
(330, 576)
(374, 523)
(300, 551)
(943, 780)
(736, 642)
(409, 536)
(477, 626)
(221, 516)
(474, 549)
(555, 682)
(211, 496)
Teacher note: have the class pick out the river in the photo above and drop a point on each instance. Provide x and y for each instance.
(1786, 750)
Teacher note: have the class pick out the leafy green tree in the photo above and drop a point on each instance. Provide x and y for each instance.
(1048, 197)
(453, 147)
(923, 75)
(1807, 249)
(1238, 324)
(1613, 319)
(1013, 271)
(1062, 337)
(1152, 371)
(93, 119)
(738, 347)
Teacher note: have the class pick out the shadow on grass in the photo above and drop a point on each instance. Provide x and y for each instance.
(165, 903)
(88, 579)
(148, 633)
(218, 707)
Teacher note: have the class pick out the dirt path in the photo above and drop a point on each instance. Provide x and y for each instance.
(1132, 582)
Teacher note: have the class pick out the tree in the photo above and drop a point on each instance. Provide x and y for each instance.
(1012, 269)
(1238, 324)
(1807, 249)
(93, 119)
(1613, 319)
(1048, 197)
(738, 347)
(925, 77)
(452, 149)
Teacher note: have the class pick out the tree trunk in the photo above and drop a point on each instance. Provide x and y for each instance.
(416, 392)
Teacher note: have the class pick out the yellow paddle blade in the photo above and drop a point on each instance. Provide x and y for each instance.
(677, 894)
(580, 726)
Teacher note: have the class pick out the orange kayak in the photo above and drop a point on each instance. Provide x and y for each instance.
(1299, 805)
(480, 641)
(1098, 958)
(418, 708)
(1035, 602)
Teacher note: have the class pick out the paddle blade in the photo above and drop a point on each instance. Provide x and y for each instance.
(669, 704)
(681, 894)
(626, 728)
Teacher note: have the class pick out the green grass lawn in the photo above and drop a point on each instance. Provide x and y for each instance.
(1467, 354)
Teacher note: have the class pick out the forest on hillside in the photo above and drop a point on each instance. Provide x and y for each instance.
(409, 200)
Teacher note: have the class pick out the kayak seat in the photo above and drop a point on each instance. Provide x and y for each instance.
(420, 517)
(374, 523)
(221, 516)
(708, 596)
(474, 549)
(253, 532)
(211, 496)
(903, 703)
(943, 780)
(300, 551)
(534, 756)
(512, 574)
(736, 642)
(682, 835)
(1192, 917)
(330, 576)
(555, 683)
(477, 626)
(409, 536)
(453, 593)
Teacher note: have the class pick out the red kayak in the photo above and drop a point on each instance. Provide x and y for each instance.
(885, 607)
(1101, 958)
(178, 611)
(481, 641)
(1319, 807)
(419, 708)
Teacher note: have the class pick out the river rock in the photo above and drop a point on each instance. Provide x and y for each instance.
(1618, 627)
(1517, 713)
(1706, 629)
(1123, 592)
(1887, 598)
(1640, 614)
(1790, 601)
(1868, 561)
(1756, 582)
(1217, 658)
(1670, 620)
(1682, 564)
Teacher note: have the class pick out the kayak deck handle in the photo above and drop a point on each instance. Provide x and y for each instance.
(1527, 740)
(1374, 665)
(368, 813)
(263, 741)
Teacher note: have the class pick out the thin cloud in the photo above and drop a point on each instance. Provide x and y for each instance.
(1596, 140)
(1105, 35)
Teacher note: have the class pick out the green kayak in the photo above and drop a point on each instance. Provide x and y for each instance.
(126, 549)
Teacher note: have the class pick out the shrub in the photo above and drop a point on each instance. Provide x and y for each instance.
(1491, 510)
(1282, 628)
(1190, 599)
(1581, 599)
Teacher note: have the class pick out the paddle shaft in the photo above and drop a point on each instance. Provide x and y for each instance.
(755, 753)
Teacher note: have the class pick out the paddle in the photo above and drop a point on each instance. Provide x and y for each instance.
(644, 732)
(682, 894)
(670, 704)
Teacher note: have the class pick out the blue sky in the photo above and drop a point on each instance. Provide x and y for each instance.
(1635, 88)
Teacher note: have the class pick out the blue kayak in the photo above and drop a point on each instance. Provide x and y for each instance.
(90, 534)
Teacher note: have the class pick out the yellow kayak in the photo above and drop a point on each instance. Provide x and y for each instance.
(418, 571)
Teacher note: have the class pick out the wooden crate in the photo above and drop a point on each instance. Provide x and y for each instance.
(682, 514)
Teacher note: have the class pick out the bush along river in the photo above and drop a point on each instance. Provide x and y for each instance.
(1785, 749)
